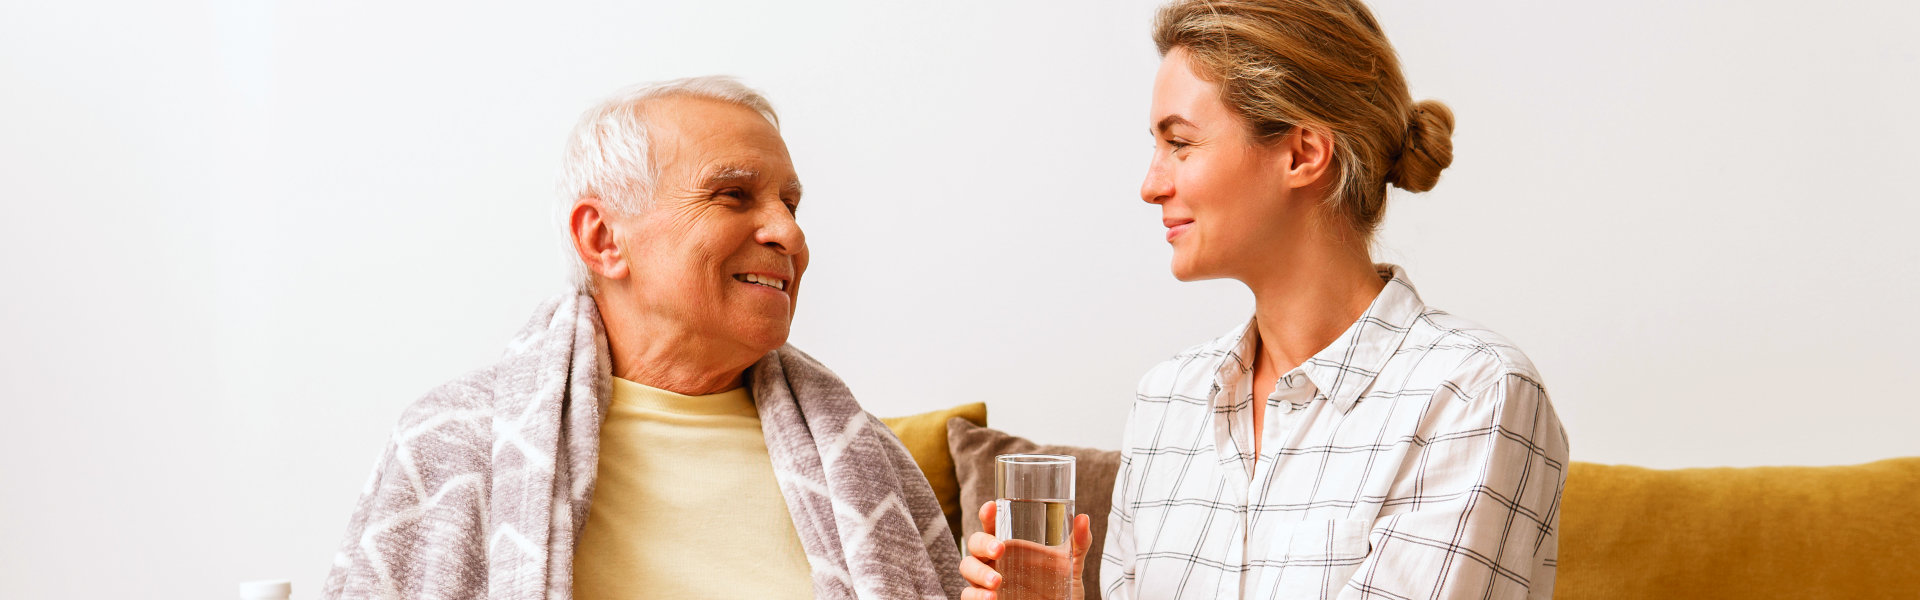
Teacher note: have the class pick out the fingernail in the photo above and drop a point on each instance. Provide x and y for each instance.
(993, 580)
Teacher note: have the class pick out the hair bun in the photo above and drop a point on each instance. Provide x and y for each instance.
(1427, 150)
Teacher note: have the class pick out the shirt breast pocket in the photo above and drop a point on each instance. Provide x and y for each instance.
(1313, 558)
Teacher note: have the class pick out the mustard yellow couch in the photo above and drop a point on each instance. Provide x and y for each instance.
(1635, 533)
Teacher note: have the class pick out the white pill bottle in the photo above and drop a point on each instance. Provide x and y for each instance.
(272, 589)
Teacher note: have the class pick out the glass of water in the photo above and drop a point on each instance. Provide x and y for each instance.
(1033, 517)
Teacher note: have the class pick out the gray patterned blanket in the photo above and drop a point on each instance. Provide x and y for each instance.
(484, 488)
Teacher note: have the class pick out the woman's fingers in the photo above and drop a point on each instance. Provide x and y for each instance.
(986, 518)
(984, 546)
(978, 574)
(981, 547)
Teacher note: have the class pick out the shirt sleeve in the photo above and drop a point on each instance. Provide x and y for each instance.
(1116, 568)
(1476, 512)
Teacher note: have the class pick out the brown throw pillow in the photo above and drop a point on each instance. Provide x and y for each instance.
(973, 450)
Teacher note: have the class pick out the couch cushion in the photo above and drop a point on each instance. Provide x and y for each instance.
(1631, 532)
(1761, 532)
(925, 436)
(973, 450)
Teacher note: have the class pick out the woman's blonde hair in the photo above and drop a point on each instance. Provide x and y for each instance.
(1320, 64)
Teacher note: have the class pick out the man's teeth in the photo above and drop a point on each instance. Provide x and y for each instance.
(762, 280)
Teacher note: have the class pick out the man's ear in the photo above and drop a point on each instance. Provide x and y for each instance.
(1308, 156)
(590, 224)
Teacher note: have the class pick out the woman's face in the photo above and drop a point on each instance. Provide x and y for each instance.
(1227, 203)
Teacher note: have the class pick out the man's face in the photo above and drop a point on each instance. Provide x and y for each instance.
(718, 252)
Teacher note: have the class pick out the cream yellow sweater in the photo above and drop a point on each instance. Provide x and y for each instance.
(686, 505)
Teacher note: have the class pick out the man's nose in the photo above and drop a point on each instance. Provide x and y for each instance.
(779, 231)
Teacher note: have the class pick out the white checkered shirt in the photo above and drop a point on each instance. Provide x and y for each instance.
(1415, 457)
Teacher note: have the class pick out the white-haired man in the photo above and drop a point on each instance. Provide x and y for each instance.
(718, 461)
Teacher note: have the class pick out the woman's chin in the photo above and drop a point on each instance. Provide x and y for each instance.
(1185, 269)
(1186, 272)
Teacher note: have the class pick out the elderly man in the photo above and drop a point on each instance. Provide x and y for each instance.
(718, 462)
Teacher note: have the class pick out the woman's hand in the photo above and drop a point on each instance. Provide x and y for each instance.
(984, 552)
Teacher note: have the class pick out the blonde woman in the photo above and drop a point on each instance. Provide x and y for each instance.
(1347, 441)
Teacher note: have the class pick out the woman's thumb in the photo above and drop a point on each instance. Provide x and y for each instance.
(1082, 535)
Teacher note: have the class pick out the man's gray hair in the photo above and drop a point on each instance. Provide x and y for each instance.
(608, 155)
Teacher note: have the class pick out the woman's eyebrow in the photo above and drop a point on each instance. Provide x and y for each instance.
(1168, 123)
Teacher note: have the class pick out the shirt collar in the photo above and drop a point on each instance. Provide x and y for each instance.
(1345, 369)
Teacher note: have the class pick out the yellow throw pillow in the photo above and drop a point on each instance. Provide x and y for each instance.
(1760, 532)
(925, 436)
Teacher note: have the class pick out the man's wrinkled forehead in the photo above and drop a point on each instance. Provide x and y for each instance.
(716, 144)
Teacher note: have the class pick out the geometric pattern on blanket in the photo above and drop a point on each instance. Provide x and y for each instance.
(485, 484)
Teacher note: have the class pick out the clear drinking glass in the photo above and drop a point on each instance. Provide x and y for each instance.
(1033, 517)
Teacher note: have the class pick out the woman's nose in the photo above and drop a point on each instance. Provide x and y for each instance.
(1157, 187)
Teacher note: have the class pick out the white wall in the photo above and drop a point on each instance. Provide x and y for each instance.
(239, 236)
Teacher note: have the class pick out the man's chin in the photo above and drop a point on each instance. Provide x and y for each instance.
(768, 337)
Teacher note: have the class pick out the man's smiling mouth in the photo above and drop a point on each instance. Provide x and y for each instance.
(772, 282)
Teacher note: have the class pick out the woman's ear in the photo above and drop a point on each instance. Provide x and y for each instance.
(1309, 156)
(595, 239)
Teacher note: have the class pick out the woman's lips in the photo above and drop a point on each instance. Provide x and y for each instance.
(1176, 230)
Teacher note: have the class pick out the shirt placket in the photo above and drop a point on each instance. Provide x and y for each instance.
(1290, 391)
(1234, 477)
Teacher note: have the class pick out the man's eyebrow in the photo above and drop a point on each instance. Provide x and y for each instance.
(1168, 123)
(738, 174)
(730, 174)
